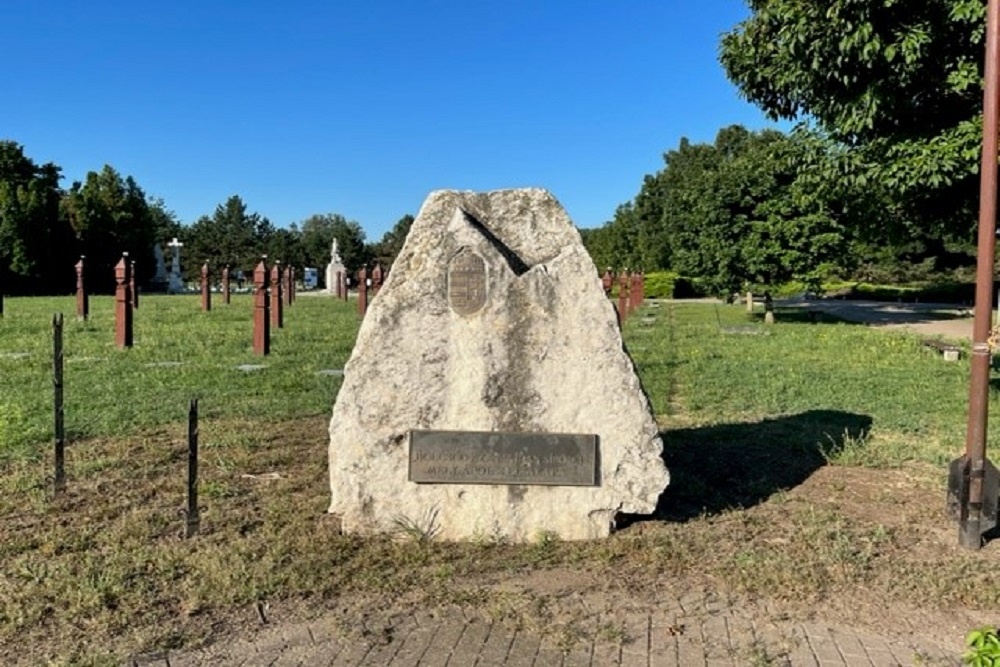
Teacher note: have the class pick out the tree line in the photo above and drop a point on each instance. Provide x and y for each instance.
(44, 229)
(879, 179)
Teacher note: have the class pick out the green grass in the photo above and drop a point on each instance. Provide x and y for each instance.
(748, 421)
(179, 353)
(912, 404)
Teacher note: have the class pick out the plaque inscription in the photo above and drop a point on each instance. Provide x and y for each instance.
(467, 283)
(485, 457)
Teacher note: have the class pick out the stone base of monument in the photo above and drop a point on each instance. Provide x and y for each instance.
(489, 394)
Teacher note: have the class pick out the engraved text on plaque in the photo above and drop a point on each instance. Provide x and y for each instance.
(483, 457)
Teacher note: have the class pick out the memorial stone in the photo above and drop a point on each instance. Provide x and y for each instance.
(176, 283)
(160, 277)
(489, 395)
(336, 265)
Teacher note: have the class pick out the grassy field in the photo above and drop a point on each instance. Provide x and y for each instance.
(179, 353)
(751, 422)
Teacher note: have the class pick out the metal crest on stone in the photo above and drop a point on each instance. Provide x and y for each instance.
(467, 283)
(490, 457)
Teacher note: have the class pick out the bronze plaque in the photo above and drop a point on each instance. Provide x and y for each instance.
(485, 457)
(466, 283)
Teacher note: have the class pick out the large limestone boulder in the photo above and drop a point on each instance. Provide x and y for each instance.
(493, 319)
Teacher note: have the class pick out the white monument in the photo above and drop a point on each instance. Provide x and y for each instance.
(489, 395)
(176, 284)
(335, 266)
(160, 277)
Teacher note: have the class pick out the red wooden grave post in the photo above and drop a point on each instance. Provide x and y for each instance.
(82, 301)
(340, 284)
(346, 287)
(123, 303)
(261, 323)
(362, 291)
(376, 278)
(206, 292)
(607, 281)
(634, 292)
(276, 314)
(622, 297)
(225, 284)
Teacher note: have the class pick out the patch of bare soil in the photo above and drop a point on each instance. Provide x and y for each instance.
(103, 574)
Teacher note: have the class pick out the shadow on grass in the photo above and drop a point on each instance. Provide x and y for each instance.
(728, 466)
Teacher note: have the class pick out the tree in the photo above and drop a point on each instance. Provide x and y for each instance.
(739, 213)
(897, 84)
(110, 216)
(35, 242)
(166, 226)
(318, 232)
(388, 247)
(285, 245)
(231, 236)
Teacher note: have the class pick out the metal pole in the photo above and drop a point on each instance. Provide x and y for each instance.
(193, 517)
(59, 477)
(970, 533)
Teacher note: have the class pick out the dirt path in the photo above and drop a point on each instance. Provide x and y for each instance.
(929, 319)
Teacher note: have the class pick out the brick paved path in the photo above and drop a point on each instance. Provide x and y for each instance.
(688, 632)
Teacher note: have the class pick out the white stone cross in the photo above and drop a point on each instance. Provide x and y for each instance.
(175, 267)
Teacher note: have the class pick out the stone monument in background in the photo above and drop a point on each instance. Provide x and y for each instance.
(176, 284)
(489, 394)
(160, 278)
(335, 271)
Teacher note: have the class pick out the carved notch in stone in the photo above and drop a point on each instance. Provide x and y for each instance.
(467, 283)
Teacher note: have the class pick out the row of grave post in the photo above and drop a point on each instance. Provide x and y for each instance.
(631, 291)
(366, 281)
(273, 290)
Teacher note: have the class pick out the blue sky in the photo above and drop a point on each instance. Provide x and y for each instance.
(362, 108)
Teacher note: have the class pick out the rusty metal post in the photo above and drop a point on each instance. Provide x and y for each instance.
(82, 301)
(362, 291)
(59, 476)
(193, 516)
(225, 285)
(277, 319)
(133, 291)
(974, 464)
(261, 322)
(123, 303)
(206, 291)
